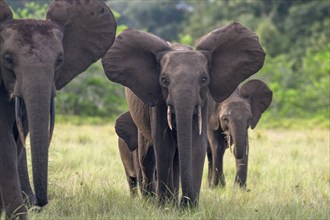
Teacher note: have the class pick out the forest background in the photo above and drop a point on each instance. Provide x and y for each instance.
(294, 33)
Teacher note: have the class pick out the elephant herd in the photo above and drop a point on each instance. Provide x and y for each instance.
(184, 103)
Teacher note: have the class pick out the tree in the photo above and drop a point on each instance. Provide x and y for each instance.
(163, 18)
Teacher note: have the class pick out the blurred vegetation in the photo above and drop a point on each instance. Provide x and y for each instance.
(294, 33)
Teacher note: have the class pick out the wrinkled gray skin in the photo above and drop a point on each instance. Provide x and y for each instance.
(127, 143)
(228, 127)
(167, 95)
(36, 58)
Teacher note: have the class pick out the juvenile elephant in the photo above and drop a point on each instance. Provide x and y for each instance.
(167, 90)
(144, 165)
(228, 127)
(127, 144)
(38, 57)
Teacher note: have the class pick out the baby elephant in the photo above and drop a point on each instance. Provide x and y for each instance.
(139, 162)
(228, 127)
(127, 144)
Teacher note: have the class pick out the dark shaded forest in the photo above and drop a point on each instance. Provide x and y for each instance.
(294, 33)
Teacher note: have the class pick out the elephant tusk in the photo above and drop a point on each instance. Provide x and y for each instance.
(19, 115)
(169, 117)
(52, 119)
(199, 110)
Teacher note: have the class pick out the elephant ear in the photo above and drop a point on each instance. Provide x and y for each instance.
(133, 62)
(127, 130)
(5, 15)
(236, 54)
(259, 96)
(89, 31)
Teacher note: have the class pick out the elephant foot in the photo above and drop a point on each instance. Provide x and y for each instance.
(148, 189)
(29, 199)
(187, 203)
(35, 209)
(18, 216)
(218, 181)
(239, 183)
(20, 213)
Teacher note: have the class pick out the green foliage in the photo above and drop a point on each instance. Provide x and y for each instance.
(185, 39)
(163, 18)
(91, 94)
(31, 10)
(303, 92)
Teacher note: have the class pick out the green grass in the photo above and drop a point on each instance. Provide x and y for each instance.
(288, 179)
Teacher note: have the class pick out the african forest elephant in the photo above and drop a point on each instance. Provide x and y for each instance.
(37, 58)
(140, 148)
(228, 126)
(167, 95)
(127, 144)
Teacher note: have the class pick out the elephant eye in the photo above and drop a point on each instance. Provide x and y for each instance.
(164, 81)
(8, 61)
(59, 61)
(204, 79)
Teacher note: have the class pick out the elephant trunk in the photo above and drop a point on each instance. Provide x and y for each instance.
(184, 116)
(239, 136)
(38, 99)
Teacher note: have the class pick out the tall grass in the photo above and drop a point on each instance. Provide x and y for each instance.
(288, 179)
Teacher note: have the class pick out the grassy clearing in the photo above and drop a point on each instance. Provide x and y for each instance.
(288, 179)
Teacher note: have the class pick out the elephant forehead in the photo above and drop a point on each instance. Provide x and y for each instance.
(30, 36)
(235, 108)
(184, 61)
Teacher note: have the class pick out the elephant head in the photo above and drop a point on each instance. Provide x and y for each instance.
(240, 111)
(180, 79)
(38, 57)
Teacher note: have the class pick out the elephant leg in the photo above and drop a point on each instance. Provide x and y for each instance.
(132, 183)
(164, 151)
(218, 147)
(128, 159)
(138, 170)
(176, 173)
(136, 181)
(241, 170)
(210, 163)
(10, 189)
(147, 164)
(23, 173)
(165, 182)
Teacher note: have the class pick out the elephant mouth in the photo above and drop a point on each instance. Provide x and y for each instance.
(20, 111)
(171, 115)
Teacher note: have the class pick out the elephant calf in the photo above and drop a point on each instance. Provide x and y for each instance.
(139, 163)
(228, 127)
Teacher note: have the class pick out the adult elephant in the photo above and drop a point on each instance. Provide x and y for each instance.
(228, 126)
(37, 58)
(168, 90)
